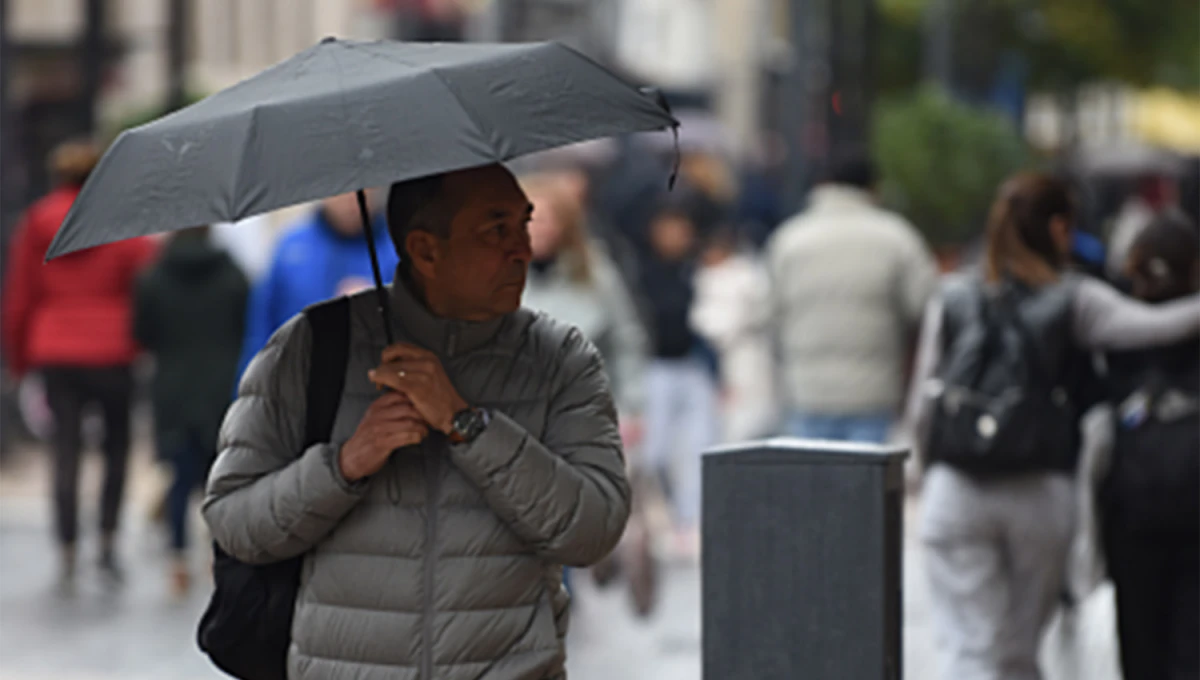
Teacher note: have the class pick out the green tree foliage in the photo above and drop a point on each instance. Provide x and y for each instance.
(941, 161)
(1065, 42)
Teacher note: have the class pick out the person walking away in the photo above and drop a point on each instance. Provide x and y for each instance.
(469, 462)
(189, 313)
(323, 256)
(70, 320)
(732, 311)
(850, 281)
(572, 280)
(681, 391)
(1150, 499)
(1004, 375)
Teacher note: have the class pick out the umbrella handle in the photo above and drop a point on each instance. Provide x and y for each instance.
(385, 309)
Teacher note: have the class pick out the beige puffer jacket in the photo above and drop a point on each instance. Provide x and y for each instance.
(446, 564)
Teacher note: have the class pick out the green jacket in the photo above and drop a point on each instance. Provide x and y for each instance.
(189, 313)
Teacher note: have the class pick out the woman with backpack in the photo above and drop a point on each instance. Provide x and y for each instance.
(1005, 373)
(1150, 500)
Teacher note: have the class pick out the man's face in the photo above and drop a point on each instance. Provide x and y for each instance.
(478, 271)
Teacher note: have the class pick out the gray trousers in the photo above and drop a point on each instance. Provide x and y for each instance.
(995, 554)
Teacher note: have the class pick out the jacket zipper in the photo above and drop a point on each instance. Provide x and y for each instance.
(431, 485)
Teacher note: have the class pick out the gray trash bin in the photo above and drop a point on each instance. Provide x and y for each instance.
(802, 561)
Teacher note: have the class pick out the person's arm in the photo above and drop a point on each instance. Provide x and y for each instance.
(145, 321)
(566, 495)
(918, 278)
(22, 290)
(1104, 319)
(929, 355)
(629, 342)
(268, 498)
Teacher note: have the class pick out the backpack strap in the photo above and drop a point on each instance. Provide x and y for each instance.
(330, 324)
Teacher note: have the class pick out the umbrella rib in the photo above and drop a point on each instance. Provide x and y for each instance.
(485, 132)
(346, 111)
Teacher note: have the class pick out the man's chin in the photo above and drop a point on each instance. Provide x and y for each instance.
(507, 299)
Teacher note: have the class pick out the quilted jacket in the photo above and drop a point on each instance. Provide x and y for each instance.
(447, 563)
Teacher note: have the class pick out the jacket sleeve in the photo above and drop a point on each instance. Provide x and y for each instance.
(22, 288)
(145, 323)
(1104, 319)
(268, 499)
(918, 276)
(567, 495)
(929, 355)
(629, 341)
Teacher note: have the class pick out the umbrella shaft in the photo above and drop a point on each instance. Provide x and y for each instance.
(380, 292)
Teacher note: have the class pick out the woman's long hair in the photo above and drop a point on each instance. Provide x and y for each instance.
(574, 250)
(1020, 244)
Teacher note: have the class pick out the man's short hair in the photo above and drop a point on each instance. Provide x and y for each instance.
(417, 204)
(852, 168)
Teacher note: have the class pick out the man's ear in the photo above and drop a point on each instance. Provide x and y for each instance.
(423, 252)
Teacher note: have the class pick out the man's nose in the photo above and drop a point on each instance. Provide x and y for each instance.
(522, 248)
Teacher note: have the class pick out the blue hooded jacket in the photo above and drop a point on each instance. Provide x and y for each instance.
(311, 263)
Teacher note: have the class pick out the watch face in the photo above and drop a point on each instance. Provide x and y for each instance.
(468, 423)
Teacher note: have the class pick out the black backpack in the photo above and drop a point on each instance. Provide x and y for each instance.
(1153, 486)
(247, 628)
(998, 406)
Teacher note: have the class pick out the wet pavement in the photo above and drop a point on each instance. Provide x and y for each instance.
(141, 633)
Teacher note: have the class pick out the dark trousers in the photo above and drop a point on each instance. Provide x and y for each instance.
(190, 461)
(69, 390)
(1157, 583)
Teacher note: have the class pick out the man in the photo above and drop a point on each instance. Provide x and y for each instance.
(322, 257)
(850, 283)
(468, 463)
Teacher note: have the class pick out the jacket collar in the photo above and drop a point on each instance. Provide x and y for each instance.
(840, 196)
(445, 337)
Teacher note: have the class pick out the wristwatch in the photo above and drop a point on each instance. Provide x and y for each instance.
(468, 424)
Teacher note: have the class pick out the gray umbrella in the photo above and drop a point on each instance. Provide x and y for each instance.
(343, 116)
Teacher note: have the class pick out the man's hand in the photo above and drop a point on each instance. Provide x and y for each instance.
(391, 422)
(418, 374)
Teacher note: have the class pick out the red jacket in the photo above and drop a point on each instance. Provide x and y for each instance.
(75, 310)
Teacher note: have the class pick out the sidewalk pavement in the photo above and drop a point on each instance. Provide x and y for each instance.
(140, 633)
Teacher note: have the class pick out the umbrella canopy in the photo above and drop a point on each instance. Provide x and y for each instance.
(342, 116)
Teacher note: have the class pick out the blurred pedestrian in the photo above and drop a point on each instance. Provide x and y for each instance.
(323, 256)
(1004, 371)
(466, 466)
(1151, 497)
(681, 390)
(70, 320)
(190, 314)
(1153, 195)
(732, 311)
(850, 281)
(572, 279)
